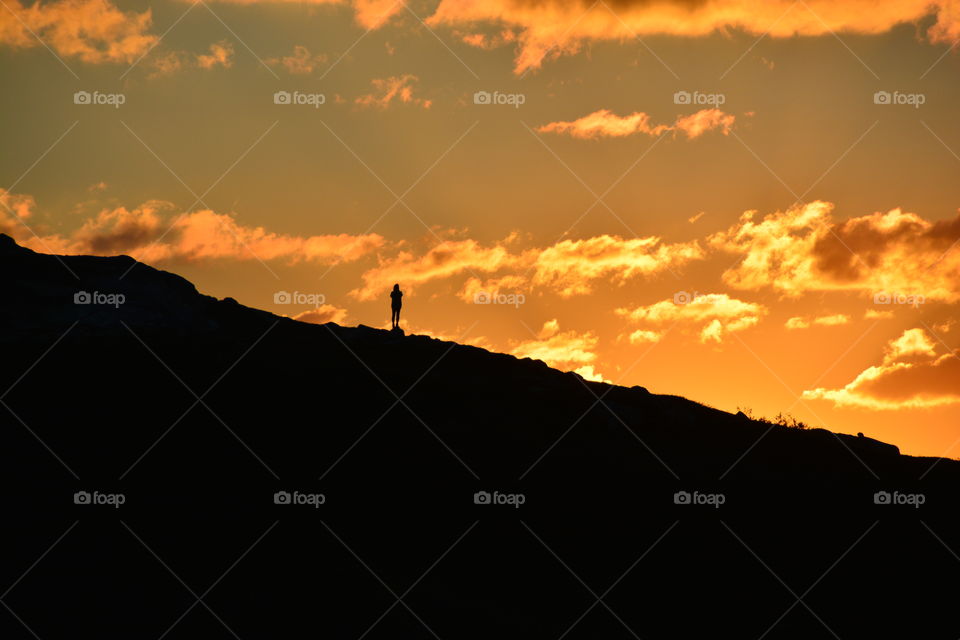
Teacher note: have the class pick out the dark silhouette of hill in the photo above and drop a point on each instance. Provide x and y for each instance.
(198, 411)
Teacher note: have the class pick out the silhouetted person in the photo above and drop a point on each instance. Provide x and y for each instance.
(396, 302)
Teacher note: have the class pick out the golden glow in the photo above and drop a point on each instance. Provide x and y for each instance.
(748, 222)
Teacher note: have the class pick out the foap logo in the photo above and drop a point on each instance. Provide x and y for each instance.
(896, 97)
(296, 498)
(512, 99)
(696, 97)
(914, 300)
(114, 500)
(512, 499)
(696, 498)
(297, 297)
(685, 297)
(87, 97)
(298, 97)
(485, 297)
(896, 498)
(96, 297)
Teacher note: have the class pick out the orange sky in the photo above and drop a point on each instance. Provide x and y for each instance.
(750, 204)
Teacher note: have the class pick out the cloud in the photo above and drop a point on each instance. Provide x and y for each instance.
(824, 321)
(587, 372)
(912, 343)
(394, 88)
(642, 336)
(94, 31)
(152, 233)
(97, 31)
(717, 314)
(832, 321)
(485, 41)
(372, 14)
(300, 62)
(565, 350)
(16, 204)
(696, 124)
(220, 55)
(803, 249)
(490, 288)
(717, 329)
(449, 258)
(547, 29)
(797, 323)
(322, 315)
(606, 124)
(169, 63)
(569, 267)
(911, 375)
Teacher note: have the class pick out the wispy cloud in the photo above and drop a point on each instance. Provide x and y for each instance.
(300, 61)
(801, 322)
(567, 268)
(714, 314)
(219, 54)
(395, 89)
(606, 124)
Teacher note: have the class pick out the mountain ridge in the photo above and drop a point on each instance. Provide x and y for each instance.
(207, 417)
(156, 295)
(161, 301)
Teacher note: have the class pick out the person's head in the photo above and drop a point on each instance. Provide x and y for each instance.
(396, 287)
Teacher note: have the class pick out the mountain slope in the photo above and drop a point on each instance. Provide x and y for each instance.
(199, 410)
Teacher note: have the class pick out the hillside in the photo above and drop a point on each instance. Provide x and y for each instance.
(198, 411)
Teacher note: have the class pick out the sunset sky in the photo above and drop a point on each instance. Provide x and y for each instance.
(749, 204)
